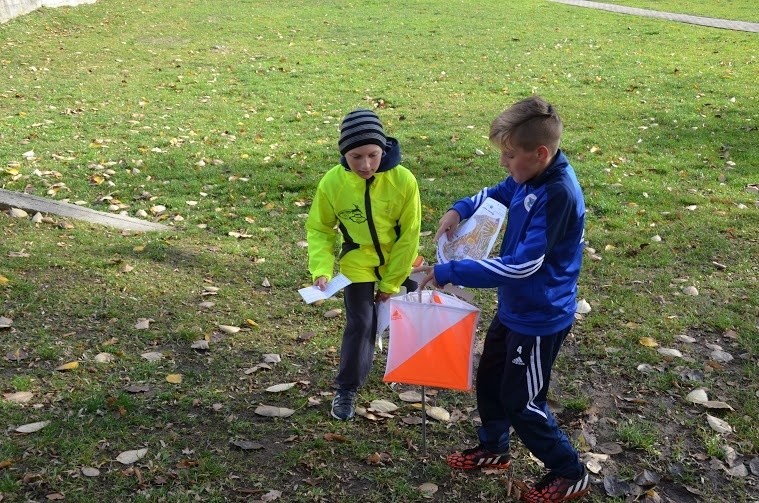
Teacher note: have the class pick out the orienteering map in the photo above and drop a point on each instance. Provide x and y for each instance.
(475, 237)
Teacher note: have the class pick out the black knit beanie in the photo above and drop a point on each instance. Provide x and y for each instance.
(361, 127)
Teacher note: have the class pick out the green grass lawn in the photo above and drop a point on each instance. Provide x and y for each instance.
(226, 114)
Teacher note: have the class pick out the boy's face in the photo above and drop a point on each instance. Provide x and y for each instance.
(364, 160)
(524, 165)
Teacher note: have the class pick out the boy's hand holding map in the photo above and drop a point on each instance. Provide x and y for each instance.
(475, 237)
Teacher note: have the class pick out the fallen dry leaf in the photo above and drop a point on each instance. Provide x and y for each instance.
(129, 457)
(18, 397)
(152, 356)
(382, 406)
(89, 471)
(411, 420)
(647, 478)
(719, 425)
(648, 342)
(104, 358)
(256, 368)
(610, 448)
(428, 489)
(278, 388)
(271, 496)
(378, 458)
(142, 324)
(247, 445)
(201, 344)
(16, 355)
(174, 378)
(593, 466)
(698, 395)
(583, 307)
(715, 404)
(273, 411)
(335, 437)
(721, 356)
(229, 329)
(691, 291)
(669, 352)
(439, 414)
(410, 396)
(68, 366)
(17, 213)
(361, 411)
(31, 427)
(5, 322)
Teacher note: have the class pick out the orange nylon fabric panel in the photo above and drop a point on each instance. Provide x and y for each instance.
(444, 362)
(431, 342)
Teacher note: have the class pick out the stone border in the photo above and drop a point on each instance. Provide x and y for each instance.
(14, 8)
(34, 204)
(712, 22)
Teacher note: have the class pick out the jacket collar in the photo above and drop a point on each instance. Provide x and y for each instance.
(558, 163)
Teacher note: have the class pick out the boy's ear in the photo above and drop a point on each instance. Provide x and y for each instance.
(544, 155)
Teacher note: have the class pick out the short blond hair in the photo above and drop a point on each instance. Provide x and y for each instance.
(527, 124)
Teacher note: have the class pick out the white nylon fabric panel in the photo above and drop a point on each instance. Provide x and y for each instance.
(414, 323)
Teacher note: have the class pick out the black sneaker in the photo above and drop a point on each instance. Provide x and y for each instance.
(344, 404)
(555, 489)
(478, 457)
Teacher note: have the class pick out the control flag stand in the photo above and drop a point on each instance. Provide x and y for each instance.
(431, 344)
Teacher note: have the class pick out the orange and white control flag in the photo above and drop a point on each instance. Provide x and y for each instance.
(431, 340)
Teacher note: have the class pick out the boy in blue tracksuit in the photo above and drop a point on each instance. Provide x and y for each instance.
(536, 275)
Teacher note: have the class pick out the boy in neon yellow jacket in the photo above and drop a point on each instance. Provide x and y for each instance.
(375, 204)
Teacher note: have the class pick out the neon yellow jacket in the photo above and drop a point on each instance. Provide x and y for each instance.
(394, 212)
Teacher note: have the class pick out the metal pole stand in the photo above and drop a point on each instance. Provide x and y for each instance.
(424, 423)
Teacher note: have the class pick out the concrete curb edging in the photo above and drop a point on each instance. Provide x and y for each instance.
(726, 24)
(31, 203)
(14, 8)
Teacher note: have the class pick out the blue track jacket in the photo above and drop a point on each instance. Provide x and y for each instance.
(539, 263)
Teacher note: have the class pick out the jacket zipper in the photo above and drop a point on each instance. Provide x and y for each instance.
(372, 229)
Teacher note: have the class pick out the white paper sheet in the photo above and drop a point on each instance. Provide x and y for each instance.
(312, 293)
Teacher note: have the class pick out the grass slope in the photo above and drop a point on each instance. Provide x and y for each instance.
(226, 114)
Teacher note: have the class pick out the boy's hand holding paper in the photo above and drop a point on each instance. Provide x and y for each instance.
(312, 293)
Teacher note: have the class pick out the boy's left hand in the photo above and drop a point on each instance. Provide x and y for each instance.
(429, 276)
(381, 296)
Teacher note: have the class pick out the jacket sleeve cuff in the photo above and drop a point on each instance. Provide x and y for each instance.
(442, 274)
(386, 288)
(462, 208)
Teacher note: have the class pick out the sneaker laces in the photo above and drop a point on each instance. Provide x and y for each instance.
(344, 398)
(474, 450)
(546, 480)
